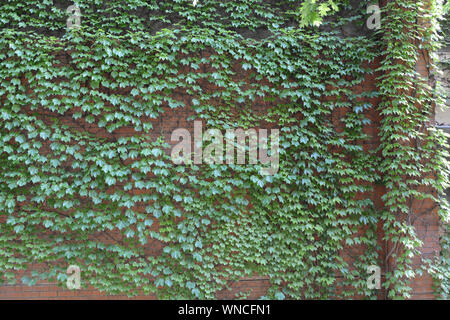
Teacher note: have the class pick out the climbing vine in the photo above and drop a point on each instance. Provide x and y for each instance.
(414, 165)
(439, 268)
(87, 177)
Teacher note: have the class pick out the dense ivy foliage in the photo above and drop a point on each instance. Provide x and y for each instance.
(441, 269)
(120, 16)
(78, 188)
(414, 166)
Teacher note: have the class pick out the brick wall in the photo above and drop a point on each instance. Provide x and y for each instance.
(427, 226)
(443, 114)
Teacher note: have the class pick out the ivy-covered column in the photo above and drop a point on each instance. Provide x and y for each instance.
(413, 161)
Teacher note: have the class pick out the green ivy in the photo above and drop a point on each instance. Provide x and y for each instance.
(86, 179)
(414, 165)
